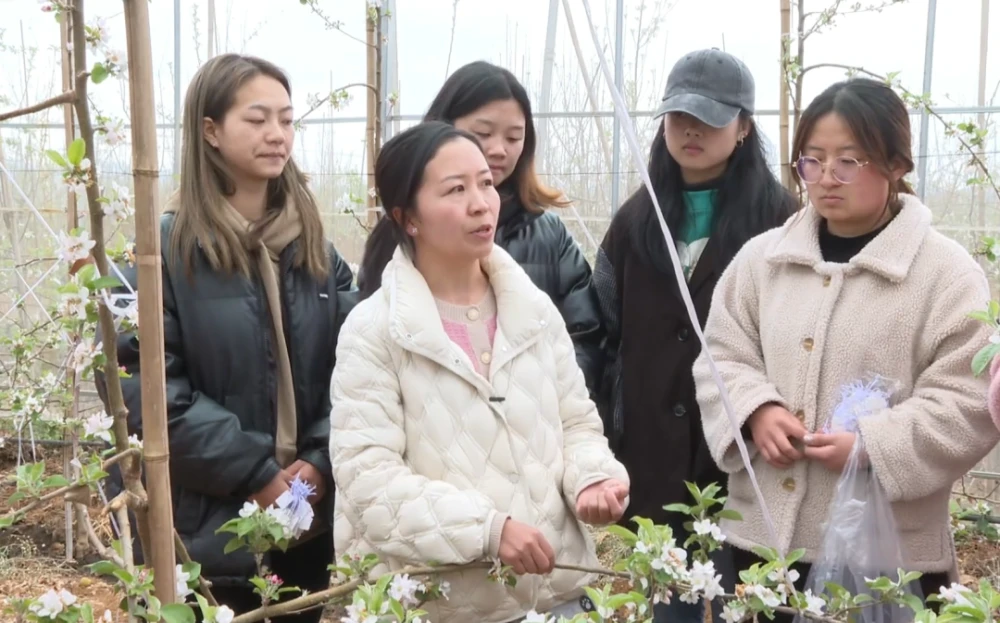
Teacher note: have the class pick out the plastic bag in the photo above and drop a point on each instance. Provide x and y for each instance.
(861, 539)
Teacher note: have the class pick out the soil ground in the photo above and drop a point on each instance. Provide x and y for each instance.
(33, 554)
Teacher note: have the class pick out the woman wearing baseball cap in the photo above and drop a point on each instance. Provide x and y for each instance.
(709, 170)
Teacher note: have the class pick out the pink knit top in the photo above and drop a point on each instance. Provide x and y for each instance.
(472, 328)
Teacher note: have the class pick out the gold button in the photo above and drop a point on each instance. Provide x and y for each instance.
(808, 344)
(486, 357)
(788, 484)
(801, 415)
(826, 281)
(472, 314)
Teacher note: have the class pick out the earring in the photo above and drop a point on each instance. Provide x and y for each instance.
(412, 230)
(739, 141)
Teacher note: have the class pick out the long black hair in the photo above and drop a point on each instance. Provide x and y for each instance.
(399, 174)
(750, 201)
(478, 84)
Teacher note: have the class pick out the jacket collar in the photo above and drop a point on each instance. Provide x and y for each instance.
(523, 312)
(889, 255)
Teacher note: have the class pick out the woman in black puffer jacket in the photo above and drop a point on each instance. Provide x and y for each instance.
(489, 102)
(253, 300)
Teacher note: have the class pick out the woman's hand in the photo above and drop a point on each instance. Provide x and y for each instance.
(602, 503)
(831, 450)
(272, 490)
(773, 427)
(525, 549)
(307, 472)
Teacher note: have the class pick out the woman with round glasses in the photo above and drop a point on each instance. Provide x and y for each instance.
(857, 284)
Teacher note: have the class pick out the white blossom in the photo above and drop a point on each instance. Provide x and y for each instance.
(74, 248)
(98, 426)
(74, 304)
(48, 605)
(82, 356)
(224, 614)
(404, 589)
(358, 613)
(119, 202)
(99, 34)
(249, 508)
(814, 603)
(956, 594)
(766, 595)
(134, 442)
(709, 527)
(181, 578)
(733, 612)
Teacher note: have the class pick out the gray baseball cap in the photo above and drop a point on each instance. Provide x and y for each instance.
(710, 85)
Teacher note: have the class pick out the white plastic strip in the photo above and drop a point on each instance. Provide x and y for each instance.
(621, 110)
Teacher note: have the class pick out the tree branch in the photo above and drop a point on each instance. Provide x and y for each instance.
(69, 97)
(16, 514)
(973, 152)
(326, 99)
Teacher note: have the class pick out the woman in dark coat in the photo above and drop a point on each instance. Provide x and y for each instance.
(489, 102)
(253, 300)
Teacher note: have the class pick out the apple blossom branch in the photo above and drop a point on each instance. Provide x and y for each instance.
(321, 598)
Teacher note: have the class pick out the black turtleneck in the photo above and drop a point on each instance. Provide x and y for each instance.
(840, 249)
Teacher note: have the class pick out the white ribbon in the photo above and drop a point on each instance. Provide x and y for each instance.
(621, 110)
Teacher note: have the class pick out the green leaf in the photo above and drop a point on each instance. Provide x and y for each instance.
(233, 545)
(77, 151)
(177, 613)
(766, 553)
(983, 358)
(57, 158)
(983, 316)
(193, 569)
(684, 509)
(794, 556)
(912, 601)
(99, 73)
(730, 514)
(695, 492)
(624, 534)
(107, 281)
(56, 480)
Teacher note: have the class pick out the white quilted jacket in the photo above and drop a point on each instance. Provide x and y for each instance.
(427, 466)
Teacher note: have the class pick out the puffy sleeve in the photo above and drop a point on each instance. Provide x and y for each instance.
(609, 299)
(587, 458)
(577, 302)
(928, 441)
(732, 332)
(402, 514)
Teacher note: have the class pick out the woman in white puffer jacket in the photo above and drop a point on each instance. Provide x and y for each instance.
(462, 428)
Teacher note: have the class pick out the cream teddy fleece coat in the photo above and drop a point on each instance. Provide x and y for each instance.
(786, 327)
(429, 457)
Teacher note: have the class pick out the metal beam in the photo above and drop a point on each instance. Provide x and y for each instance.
(616, 132)
(924, 117)
(544, 101)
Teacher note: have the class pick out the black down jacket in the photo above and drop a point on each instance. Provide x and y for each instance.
(221, 391)
(545, 249)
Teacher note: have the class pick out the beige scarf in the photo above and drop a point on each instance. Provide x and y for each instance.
(278, 235)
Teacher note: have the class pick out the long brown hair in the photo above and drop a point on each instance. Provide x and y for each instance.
(879, 122)
(477, 84)
(206, 182)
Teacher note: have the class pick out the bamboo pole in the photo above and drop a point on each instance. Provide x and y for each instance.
(106, 324)
(72, 222)
(372, 94)
(783, 139)
(145, 169)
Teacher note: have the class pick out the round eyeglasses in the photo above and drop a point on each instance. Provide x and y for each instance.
(844, 169)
